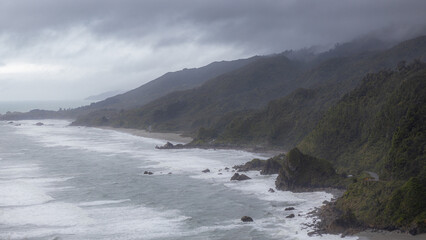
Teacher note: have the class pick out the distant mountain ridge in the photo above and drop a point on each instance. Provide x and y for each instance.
(103, 96)
(251, 86)
(170, 82)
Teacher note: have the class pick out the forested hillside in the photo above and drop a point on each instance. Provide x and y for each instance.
(380, 126)
(286, 121)
(249, 87)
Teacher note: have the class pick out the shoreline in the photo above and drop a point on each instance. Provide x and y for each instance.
(177, 138)
(172, 137)
(369, 234)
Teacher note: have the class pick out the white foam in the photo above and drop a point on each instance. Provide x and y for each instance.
(19, 171)
(99, 222)
(15, 193)
(109, 219)
(103, 202)
(48, 214)
(194, 161)
(90, 139)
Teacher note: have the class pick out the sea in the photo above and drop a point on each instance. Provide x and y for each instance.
(25, 106)
(64, 182)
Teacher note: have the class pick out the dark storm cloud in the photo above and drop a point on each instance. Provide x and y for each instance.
(267, 25)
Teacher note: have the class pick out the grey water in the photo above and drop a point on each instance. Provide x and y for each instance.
(25, 106)
(62, 182)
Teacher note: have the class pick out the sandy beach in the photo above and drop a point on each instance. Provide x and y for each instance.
(172, 137)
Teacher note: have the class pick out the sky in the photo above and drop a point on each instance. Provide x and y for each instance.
(71, 49)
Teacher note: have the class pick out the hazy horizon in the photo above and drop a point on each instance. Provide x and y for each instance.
(59, 50)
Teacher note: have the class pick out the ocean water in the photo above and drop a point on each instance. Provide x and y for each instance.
(25, 106)
(62, 182)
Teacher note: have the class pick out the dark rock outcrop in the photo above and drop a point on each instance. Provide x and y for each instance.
(240, 177)
(271, 190)
(290, 216)
(273, 165)
(206, 170)
(302, 172)
(170, 145)
(253, 165)
(335, 221)
(39, 124)
(289, 209)
(247, 219)
(266, 167)
(148, 173)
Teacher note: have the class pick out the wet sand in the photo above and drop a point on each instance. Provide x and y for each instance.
(172, 137)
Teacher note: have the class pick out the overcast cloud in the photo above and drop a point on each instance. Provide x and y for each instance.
(70, 49)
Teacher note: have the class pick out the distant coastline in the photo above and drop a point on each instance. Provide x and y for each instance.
(26, 106)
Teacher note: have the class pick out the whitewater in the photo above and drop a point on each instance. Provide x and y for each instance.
(63, 182)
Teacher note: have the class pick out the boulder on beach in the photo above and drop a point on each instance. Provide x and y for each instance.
(239, 177)
(289, 209)
(290, 216)
(247, 219)
(206, 170)
(148, 173)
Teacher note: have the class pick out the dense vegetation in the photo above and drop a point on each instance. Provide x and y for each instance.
(249, 87)
(380, 126)
(358, 132)
(286, 121)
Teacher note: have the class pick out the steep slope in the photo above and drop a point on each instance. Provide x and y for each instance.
(170, 82)
(249, 87)
(380, 126)
(284, 122)
(357, 132)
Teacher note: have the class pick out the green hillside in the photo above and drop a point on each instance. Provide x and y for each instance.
(357, 133)
(249, 87)
(379, 127)
(286, 121)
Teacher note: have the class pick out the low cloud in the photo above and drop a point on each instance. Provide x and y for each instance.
(107, 45)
